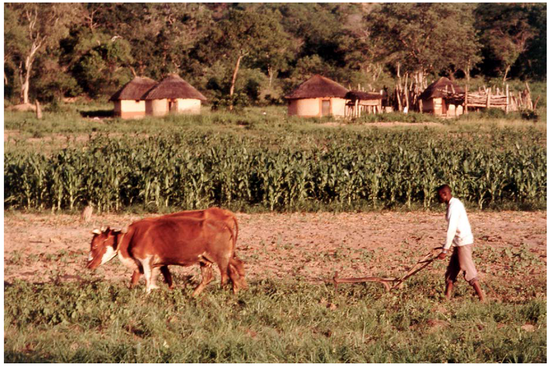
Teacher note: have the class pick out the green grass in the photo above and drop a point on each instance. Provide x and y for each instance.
(95, 321)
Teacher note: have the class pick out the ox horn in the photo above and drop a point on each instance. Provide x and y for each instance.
(96, 231)
(124, 230)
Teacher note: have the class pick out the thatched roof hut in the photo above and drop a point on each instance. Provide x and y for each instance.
(441, 88)
(173, 95)
(174, 87)
(442, 96)
(318, 87)
(134, 90)
(129, 101)
(318, 96)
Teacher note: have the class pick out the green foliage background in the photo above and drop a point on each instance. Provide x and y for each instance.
(93, 49)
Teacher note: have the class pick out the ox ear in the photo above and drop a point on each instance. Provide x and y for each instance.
(96, 232)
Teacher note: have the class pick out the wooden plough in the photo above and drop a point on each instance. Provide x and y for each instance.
(389, 282)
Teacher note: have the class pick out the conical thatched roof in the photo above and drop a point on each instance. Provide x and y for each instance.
(441, 88)
(318, 87)
(134, 90)
(174, 87)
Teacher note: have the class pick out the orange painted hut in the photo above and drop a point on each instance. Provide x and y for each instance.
(317, 97)
(128, 99)
(173, 95)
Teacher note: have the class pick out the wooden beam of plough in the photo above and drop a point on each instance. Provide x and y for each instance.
(385, 281)
(388, 282)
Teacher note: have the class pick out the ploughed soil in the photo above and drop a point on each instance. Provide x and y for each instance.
(302, 246)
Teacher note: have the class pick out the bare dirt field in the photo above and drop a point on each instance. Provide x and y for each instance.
(309, 247)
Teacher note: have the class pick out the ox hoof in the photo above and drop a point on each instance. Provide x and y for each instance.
(149, 289)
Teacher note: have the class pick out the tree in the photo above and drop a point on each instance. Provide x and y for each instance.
(506, 32)
(35, 27)
(103, 68)
(463, 49)
(533, 61)
(246, 34)
(420, 38)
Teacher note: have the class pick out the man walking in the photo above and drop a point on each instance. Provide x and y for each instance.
(459, 235)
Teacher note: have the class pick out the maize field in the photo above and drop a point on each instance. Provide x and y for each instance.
(371, 169)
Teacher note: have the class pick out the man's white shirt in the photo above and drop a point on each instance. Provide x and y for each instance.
(459, 232)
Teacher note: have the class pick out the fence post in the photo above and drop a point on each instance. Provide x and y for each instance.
(507, 99)
(466, 100)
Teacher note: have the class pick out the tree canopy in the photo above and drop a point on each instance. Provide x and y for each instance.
(256, 53)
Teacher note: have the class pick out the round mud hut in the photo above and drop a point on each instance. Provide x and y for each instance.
(129, 101)
(443, 98)
(173, 95)
(317, 97)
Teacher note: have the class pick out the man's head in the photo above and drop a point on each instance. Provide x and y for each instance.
(444, 193)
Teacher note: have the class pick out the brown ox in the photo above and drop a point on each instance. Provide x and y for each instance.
(152, 244)
(212, 213)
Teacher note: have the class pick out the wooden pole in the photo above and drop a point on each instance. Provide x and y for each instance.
(399, 108)
(466, 100)
(507, 99)
(38, 110)
(488, 98)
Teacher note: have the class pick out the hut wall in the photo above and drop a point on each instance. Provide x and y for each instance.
(312, 107)
(427, 105)
(439, 107)
(338, 106)
(156, 107)
(130, 108)
(434, 105)
(188, 106)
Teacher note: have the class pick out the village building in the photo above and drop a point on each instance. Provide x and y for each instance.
(173, 95)
(442, 98)
(317, 97)
(128, 99)
(360, 102)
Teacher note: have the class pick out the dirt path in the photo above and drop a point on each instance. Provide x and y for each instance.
(310, 247)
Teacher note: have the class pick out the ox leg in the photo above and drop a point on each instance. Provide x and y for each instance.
(150, 273)
(206, 273)
(235, 278)
(236, 273)
(167, 276)
(135, 278)
(223, 265)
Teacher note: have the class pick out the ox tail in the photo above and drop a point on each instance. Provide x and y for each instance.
(235, 234)
(234, 261)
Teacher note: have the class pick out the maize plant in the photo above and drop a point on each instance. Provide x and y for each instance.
(336, 168)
